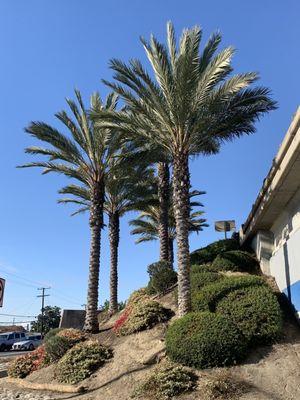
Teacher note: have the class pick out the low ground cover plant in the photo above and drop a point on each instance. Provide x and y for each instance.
(209, 253)
(137, 296)
(209, 296)
(166, 381)
(162, 277)
(141, 316)
(204, 340)
(235, 260)
(52, 333)
(81, 361)
(25, 365)
(73, 336)
(223, 386)
(256, 312)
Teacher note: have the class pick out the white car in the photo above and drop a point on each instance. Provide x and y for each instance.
(31, 343)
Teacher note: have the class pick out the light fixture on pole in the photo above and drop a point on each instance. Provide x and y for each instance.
(225, 226)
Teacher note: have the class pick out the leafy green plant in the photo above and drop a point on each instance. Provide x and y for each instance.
(81, 361)
(51, 333)
(72, 335)
(204, 340)
(256, 312)
(143, 315)
(56, 347)
(138, 295)
(162, 277)
(25, 365)
(209, 253)
(166, 381)
(235, 260)
(201, 279)
(208, 298)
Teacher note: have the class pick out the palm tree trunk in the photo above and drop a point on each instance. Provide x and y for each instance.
(163, 221)
(91, 324)
(171, 252)
(181, 179)
(114, 238)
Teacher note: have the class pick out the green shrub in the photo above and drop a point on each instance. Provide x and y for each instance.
(166, 381)
(235, 260)
(256, 312)
(137, 296)
(223, 386)
(162, 277)
(56, 347)
(204, 340)
(208, 298)
(209, 253)
(72, 335)
(24, 365)
(201, 279)
(51, 333)
(143, 315)
(81, 361)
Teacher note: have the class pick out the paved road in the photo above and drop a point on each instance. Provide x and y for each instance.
(5, 354)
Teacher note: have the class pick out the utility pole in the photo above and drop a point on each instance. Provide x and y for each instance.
(43, 295)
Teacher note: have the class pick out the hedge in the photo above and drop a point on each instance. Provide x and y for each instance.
(208, 298)
(235, 260)
(256, 312)
(209, 253)
(204, 340)
(201, 279)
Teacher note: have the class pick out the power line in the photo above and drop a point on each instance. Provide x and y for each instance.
(19, 316)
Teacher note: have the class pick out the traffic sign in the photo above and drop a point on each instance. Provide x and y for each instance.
(2, 286)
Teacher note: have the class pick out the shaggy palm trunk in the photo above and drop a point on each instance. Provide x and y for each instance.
(114, 238)
(96, 223)
(163, 219)
(181, 180)
(171, 252)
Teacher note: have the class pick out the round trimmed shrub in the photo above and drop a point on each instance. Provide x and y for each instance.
(204, 340)
(143, 315)
(209, 253)
(256, 312)
(166, 381)
(201, 279)
(235, 260)
(56, 347)
(209, 296)
(81, 361)
(162, 277)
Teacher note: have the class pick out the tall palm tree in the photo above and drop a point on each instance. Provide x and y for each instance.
(191, 107)
(83, 154)
(125, 189)
(146, 224)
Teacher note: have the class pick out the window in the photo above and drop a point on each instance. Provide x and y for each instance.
(11, 336)
(22, 335)
(17, 336)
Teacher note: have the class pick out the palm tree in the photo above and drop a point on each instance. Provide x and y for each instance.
(83, 155)
(146, 224)
(191, 107)
(125, 189)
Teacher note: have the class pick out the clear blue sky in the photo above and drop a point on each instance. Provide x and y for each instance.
(50, 47)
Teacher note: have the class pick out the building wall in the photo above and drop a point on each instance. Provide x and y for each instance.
(279, 250)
